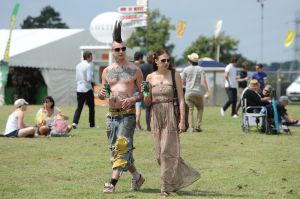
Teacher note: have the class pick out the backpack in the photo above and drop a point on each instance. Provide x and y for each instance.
(59, 127)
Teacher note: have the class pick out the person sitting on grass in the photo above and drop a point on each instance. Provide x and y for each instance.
(46, 115)
(15, 126)
(284, 117)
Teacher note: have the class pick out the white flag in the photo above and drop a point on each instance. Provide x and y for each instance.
(218, 28)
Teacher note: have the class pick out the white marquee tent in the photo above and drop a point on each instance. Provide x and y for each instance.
(55, 52)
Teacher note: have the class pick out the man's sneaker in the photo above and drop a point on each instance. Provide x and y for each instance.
(94, 127)
(136, 184)
(235, 116)
(74, 126)
(222, 112)
(108, 188)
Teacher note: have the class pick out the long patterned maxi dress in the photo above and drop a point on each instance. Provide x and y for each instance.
(175, 174)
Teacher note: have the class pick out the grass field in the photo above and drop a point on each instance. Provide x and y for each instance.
(232, 165)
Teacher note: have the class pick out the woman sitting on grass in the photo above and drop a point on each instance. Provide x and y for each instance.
(45, 116)
(15, 126)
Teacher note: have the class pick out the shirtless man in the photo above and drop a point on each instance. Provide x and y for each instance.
(123, 77)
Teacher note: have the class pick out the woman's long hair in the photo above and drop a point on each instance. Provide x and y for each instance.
(159, 53)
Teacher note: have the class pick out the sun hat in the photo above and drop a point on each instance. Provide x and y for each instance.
(20, 102)
(253, 83)
(194, 57)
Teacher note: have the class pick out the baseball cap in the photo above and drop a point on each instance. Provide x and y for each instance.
(20, 102)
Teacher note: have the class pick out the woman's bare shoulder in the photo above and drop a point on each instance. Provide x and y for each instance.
(19, 113)
(150, 76)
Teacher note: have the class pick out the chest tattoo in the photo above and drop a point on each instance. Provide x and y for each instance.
(121, 73)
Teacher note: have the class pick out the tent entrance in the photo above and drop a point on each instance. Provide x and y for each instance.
(26, 83)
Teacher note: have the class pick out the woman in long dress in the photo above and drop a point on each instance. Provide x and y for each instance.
(165, 128)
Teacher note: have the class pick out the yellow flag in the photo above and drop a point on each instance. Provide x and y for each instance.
(289, 38)
(12, 24)
(180, 28)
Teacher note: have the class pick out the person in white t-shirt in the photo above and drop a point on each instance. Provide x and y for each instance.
(15, 126)
(85, 93)
(231, 87)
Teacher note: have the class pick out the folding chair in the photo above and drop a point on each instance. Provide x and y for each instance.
(254, 116)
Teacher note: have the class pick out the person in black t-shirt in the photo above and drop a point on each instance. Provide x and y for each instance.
(266, 97)
(251, 95)
(242, 80)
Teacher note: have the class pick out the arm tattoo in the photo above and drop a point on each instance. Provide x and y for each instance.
(121, 73)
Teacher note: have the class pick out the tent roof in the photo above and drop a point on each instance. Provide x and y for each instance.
(45, 48)
(28, 39)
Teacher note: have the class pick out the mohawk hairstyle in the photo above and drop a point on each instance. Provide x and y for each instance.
(117, 32)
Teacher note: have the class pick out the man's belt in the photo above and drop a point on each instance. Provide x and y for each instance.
(115, 112)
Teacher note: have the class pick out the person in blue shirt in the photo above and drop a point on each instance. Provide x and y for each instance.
(260, 76)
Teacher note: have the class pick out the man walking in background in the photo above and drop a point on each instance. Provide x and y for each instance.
(231, 88)
(138, 60)
(242, 80)
(85, 93)
(194, 79)
(146, 69)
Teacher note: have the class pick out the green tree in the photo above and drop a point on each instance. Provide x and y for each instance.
(206, 47)
(155, 36)
(48, 18)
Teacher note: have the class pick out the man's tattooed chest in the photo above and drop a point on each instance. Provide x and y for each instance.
(121, 73)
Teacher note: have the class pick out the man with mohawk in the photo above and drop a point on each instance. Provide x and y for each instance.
(123, 78)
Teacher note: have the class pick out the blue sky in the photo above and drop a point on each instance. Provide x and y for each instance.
(241, 20)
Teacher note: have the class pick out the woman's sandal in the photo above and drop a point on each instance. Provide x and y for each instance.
(164, 194)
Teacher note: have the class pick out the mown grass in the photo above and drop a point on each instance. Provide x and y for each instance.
(232, 165)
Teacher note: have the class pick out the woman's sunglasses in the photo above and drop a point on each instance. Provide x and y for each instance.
(165, 60)
(119, 49)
